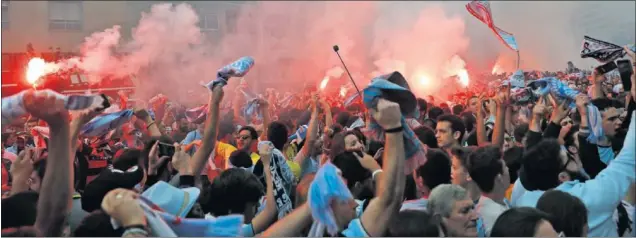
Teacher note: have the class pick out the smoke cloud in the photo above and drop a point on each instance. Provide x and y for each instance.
(425, 51)
(292, 43)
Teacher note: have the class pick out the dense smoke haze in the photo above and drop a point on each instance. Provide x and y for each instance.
(292, 42)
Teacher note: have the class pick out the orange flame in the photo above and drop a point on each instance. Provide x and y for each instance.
(424, 80)
(463, 77)
(37, 68)
(496, 69)
(324, 83)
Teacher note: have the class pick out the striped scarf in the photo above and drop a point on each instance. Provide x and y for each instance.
(283, 179)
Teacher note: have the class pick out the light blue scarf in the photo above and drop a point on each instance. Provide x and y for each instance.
(326, 187)
(301, 133)
(229, 225)
(104, 123)
(380, 87)
(558, 89)
(238, 68)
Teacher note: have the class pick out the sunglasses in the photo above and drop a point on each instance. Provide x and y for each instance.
(243, 137)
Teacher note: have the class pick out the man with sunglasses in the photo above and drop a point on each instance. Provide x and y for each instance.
(246, 140)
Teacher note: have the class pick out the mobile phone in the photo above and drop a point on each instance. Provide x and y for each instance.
(625, 70)
(603, 69)
(166, 149)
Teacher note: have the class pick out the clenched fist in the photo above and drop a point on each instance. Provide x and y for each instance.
(387, 114)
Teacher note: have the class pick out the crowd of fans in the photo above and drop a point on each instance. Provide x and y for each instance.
(311, 165)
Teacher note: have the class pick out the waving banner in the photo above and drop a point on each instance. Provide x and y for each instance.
(481, 11)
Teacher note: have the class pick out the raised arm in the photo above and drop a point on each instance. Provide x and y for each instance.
(265, 218)
(264, 107)
(482, 138)
(77, 123)
(236, 106)
(312, 133)
(534, 134)
(611, 185)
(597, 85)
(57, 184)
(292, 224)
(502, 104)
(21, 170)
(390, 190)
(151, 126)
(328, 115)
(588, 153)
(201, 156)
(559, 112)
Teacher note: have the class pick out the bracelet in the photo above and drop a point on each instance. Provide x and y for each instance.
(135, 231)
(394, 130)
(140, 226)
(375, 173)
(149, 125)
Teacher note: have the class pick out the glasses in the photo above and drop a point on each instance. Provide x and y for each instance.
(564, 123)
(243, 137)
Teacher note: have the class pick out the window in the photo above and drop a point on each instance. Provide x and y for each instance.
(209, 22)
(65, 15)
(5, 14)
(78, 78)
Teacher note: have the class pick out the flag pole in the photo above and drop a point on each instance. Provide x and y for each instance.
(518, 59)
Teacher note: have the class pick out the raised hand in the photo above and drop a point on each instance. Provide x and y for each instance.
(141, 113)
(387, 114)
(265, 151)
(154, 161)
(503, 97)
(540, 108)
(560, 111)
(45, 106)
(181, 161)
(367, 161)
(21, 169)
(581, 102)
(123, 206)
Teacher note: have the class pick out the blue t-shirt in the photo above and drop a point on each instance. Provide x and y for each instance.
(247, 230)
(355, 229)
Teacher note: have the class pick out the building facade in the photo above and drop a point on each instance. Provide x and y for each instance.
(51, 26)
